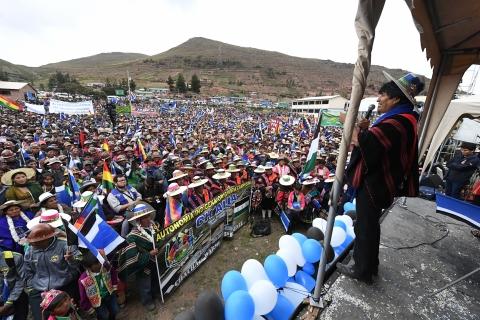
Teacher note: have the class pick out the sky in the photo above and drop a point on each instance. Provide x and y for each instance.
(41, 32)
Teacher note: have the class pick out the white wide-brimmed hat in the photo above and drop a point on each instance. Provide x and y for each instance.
(177, 174)
(286, 180)
(197, 182)
(84, 197)
(7, 177)
(174, 189)
(140, 210)
(51, 216)
(221, 174)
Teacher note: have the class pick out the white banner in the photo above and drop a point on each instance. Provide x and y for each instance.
(83, 107)
(37, 108)
(469, 131)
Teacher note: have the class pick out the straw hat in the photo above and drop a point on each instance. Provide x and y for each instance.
(209, 166)
(174, 189)
(40, 232)
(177, 174)
(201, 161)
(87, 184)
(44, 196)
(140, 210)
(268, 166)
(233, 168)
(221, 174)
(287, 180)
(197, 182)
(7, 177)
(309, 181)
(51, 217)
(273, 155)
(84, 197)
(9, 204)
(53, 160)
(259, 169)
(331, 178)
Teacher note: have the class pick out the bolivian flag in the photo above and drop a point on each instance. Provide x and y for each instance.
(107, 178)
(10, 104)
(142, 155)
(105, 146)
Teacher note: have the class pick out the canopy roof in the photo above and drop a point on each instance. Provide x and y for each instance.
(450, 33)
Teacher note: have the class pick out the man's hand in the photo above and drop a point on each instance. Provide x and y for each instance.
(363, 124)
(154, 252)
(6, 309)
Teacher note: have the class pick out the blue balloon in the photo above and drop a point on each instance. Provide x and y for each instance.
(299, 237)
(340, 224)
(348, 206)
(312, 250)
(276, 270)
(283, 310)
(231, 282)
(309, 268)
(296, 205)
(304, 279)
(239, 306)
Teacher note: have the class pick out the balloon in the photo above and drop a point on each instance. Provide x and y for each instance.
(305, 280)
(276, 270)
(351, 232)
(283, 309)
(296, 205)
(289, 243)
(315, 233)
(264, 296)
(209, 306)
(338, 236)
(295, 293)
(354, 201)
(239, 306)
(320, 224)
(346, 219)
(308, 268)
(289, 260)
(340, 224)
(329, 252)
(253, 271)
(231, 282)
(186, 315)
(312, 250)
(348, 206)
(299, 237)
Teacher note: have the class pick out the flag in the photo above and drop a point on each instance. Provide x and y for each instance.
(62, 116)
(173, 211)
(82, 137)
(74, 236)
(306, 125)
(171, 137)
(74, 187)
(107, 178)
(105, 146)
(63, 195)
(44, 122)
(90, 207)
(140, 151)
(330, 120)
(10, 104)
(312, 152)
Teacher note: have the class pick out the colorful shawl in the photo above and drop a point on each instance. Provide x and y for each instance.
(173, 211)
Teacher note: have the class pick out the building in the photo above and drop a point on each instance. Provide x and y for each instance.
(18, 90)
(313, 105)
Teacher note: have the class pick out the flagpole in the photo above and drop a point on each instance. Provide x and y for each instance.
(158, 270)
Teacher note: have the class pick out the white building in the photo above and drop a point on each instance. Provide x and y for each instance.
(313, 105)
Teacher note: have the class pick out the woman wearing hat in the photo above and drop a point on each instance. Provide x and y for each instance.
(46, 182)
(21, 189)
(200, 194)
(212, 185)
(13, 225)
(234, 179)
(221, 177)
(271, 180)
(48, 201)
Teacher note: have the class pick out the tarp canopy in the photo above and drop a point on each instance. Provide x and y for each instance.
(450, 34)
(457, 109)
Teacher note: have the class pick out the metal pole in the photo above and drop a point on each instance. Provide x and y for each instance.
(158, 270)
(455, 281)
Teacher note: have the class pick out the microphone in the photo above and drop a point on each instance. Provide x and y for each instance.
(369, 111)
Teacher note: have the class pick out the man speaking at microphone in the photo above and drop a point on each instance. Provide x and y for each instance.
(384, 165)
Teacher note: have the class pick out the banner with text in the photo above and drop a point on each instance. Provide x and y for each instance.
(186, 243)
(82, 107)
(37, 108)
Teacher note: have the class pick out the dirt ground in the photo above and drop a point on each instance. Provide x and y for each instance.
(231, 255)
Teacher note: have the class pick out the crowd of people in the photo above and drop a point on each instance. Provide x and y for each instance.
(162, 168)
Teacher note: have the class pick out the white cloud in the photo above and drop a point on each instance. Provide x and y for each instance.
(41, 32)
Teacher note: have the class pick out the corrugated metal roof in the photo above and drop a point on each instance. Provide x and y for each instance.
(8, 85)
(318, 98)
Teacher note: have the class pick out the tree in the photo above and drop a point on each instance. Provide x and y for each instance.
(181, 85)
(195, 84)
(171, 83)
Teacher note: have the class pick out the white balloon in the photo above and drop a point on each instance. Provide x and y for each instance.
(351, 232)
(253, 271)
(346, 219)
(291, 244)
(264, 296)
(354, 201)
(338, 236)
(295, 293)
(289, 260)
(320, 224)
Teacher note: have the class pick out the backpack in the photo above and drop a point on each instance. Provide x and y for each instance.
(261, 228)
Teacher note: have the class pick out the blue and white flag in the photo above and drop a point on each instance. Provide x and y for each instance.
(63, 195)
(44, 123)
(74, 187)
(98, 233)
(171, 137)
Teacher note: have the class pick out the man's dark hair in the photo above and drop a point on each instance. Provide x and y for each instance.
(115, 179)
(88, 259)
(393, 91)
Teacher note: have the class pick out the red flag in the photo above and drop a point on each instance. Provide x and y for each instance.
(82, 137)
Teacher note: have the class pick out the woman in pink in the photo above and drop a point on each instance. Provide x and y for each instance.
(321, 171)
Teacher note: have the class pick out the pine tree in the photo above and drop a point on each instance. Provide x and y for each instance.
(171, 83)
(181, 85)
(195, 84)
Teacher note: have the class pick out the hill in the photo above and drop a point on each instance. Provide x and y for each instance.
(223, 69)
(17, 72)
